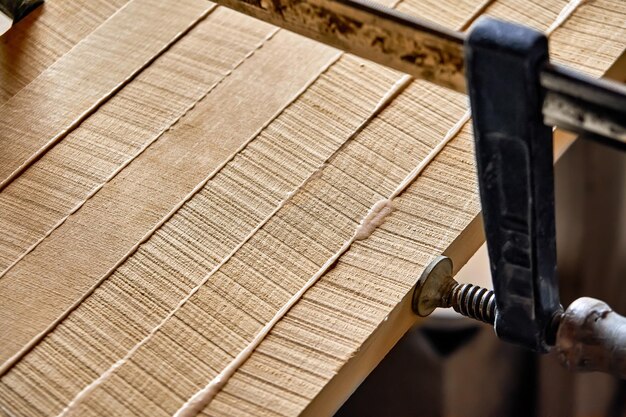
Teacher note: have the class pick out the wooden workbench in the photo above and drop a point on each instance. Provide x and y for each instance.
(173, 174)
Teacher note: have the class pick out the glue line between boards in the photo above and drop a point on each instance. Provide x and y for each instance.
(141, 150)
(396, 89)
(204, 397)
(564, 15)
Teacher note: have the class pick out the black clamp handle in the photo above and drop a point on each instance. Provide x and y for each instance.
(515, 176)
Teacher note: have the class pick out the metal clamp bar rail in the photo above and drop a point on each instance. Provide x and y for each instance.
(431, 52)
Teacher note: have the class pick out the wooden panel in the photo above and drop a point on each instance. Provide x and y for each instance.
(305, 142)
(247, 290)
(56, 101)
(353, 85)
(113, 223)
(45, 35)
(58, 184)
(267, 222)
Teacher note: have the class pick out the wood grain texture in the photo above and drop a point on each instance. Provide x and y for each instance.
(45, 35)
(344, 325)
(233, 202)
(39, 115)
(354, 85)
(592, 39)
(360, 303)
(90, 243)
(259, 278)
(57, 184)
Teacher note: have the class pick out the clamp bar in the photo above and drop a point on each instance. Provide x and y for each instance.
(417, 47)
(431, 52)
(585, 105)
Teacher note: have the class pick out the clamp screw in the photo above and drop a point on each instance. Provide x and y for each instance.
(436, 288)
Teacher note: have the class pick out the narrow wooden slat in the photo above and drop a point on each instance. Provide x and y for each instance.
(45, 35)
(39, 115)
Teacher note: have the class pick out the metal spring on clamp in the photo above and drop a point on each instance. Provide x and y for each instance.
(475, 302)
(436, 288)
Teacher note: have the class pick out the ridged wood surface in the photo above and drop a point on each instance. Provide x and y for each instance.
(146, 249)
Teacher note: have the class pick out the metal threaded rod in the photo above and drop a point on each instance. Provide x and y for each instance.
(475, 302)
(436, 288)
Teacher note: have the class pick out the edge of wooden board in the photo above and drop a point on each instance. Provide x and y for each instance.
(402, 318)
(395, 325)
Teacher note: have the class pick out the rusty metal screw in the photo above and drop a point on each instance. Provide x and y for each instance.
(436, 288)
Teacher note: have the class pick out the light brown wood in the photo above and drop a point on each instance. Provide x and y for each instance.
(55, 102)
(59, 183)
(44, 36)
(300, 237)
(72, 260)
(265, 222)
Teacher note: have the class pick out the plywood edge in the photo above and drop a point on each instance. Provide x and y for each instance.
(396, 324)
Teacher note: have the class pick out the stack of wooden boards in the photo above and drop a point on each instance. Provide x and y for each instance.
(172, 173)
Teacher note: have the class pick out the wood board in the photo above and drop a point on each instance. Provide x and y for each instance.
(303, 175)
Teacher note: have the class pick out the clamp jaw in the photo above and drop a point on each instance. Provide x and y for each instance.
(516, 181)
(12, 11)
(18, 9)
(515, 175)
